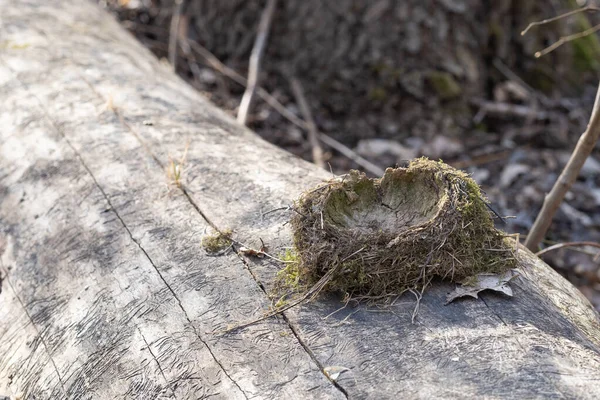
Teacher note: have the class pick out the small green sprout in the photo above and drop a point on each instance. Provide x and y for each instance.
(175, 169)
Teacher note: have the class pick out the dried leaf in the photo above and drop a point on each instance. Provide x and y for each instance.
(480, 282)
(251, 252)
(247, 251)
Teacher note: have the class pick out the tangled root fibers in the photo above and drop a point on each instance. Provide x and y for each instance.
(383, 236)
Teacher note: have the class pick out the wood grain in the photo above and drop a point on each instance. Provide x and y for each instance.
(107, 293)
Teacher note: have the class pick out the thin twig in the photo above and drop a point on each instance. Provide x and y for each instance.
(262, 214)
(566, 39)
(567, 244)
(508, 109)
(419, 296)
(255, 56)
(509, 74)
(552, 201)
(186, 49)
(216, 64)
(313, 134)
(174, 33)
(309, 295)
(348, 152)
(567, 14)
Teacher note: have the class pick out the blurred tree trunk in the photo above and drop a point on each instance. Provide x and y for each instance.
(416, 63)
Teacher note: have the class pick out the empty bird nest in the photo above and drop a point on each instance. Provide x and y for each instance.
(375, 238)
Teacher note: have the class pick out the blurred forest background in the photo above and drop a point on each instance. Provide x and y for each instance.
(394, 80)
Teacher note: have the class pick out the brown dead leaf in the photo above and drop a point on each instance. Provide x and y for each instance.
(496, 282)
(250, 252)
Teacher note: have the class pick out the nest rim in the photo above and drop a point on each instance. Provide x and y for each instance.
(453, 237)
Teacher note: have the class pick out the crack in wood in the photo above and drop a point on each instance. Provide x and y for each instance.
(157, 363)
(215, 227)
(39, 334)
(295, 332)
(113, 209)
(150, 260)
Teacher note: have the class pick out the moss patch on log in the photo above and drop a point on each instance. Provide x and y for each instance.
(383, 236)
(217, 241)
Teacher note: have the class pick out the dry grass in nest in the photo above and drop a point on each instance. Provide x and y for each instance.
(376, 238)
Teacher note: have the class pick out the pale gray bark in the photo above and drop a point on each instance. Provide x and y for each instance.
(107, 293)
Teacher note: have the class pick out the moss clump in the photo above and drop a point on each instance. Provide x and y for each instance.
(289, 276)
(217, 241)
(384, 236)
(444, 85)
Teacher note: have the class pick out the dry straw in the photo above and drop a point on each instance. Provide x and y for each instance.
(377, 238)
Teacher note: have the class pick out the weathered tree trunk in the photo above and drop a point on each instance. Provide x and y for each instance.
(106, 292)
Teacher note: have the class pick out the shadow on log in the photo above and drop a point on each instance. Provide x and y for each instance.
(106, 291)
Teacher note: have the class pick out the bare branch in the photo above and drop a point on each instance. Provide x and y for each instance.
(348, 152)
(174, 33)
(567, 14)
(255, 56)
(567, 244)
(584, 147)
(216, 64)
(186, 49)
(287, 114)
(313, 134)
(508, 109)
(506, 71)
(566, 39)
(563, 39)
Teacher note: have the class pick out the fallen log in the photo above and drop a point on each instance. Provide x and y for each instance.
(106, 291)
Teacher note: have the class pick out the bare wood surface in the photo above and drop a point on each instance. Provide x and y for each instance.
(106, 292)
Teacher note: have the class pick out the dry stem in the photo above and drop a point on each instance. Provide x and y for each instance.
(174, 33)
(311, 294)
(567, 244)
(255, 56)
(313, 134)
(567, 14)
(216, 64)
(584, 148)
(564, 39)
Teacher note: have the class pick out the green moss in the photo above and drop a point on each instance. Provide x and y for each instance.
(379, 237)
(217, 241)
(444, 85)
(289, 256)
(289, 276)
